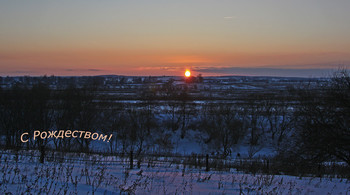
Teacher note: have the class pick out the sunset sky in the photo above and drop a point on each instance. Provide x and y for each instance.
(159, 37)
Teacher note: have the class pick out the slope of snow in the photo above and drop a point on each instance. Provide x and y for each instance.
(95, 174)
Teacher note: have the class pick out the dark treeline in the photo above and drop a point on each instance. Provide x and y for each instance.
(26, 109)
(312, 126)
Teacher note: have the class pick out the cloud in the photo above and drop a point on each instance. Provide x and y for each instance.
(94, 70)
(166, 68)
(21, 72)
(83, 70)
(229, 17)
(283, 72)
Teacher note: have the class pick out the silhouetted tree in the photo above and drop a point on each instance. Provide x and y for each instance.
(223, 126)
(323, 128)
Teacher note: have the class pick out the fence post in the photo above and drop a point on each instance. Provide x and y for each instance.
(207, 162)
(199, 161)
(195, 160)
(131, 160)
(42, 153)
(268, 166)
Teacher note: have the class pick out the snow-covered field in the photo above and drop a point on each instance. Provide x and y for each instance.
(97, 174)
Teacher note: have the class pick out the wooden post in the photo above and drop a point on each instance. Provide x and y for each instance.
(195, 161)
(268, 166)
(199, 160)
(42, 153)
(131, 160)
(207, 163)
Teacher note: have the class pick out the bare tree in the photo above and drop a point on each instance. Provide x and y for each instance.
(25, 109)
(255, 108)
(278, 118)
(223, 126)
(324, 120)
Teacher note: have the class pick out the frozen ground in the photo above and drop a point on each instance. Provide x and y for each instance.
(95, 174)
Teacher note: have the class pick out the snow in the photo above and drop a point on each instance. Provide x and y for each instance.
(97, 174)
(188, 144)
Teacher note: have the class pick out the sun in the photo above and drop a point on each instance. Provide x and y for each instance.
(187, 73)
